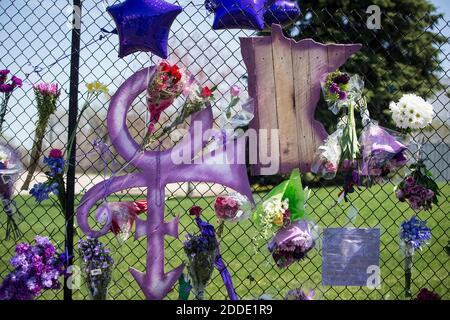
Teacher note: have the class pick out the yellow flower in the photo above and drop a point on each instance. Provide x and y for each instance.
(96, 87)
(278, 219)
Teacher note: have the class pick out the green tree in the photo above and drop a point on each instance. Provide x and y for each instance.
(401, 57)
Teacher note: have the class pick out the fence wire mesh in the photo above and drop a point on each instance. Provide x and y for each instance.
(35, 41)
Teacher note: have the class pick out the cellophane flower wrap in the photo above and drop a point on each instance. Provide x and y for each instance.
(414, 234)
(55, 183)
(121, 216)
(6, 89)
(201, 250)
(418, 188)
(328, 156)
(233, 207)
(97, 266)
(46, 97)
(282, 218)
(382, 153)
(10, 169)
(37, 268)
(164, 87)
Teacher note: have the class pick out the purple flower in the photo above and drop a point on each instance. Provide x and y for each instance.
(400, 195)
(410, 181)
(343, 95)
(334, 88)
(16, 81)
(6, 88)
(4, 72)
(22, 248)
(343, 78)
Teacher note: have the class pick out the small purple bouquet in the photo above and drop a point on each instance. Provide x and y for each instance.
(382, 154)
(418, 188)
(96, 263)
(10, 170)
(414, 234)
(201, 252)
(291, 243)
(36, 268)
(55, 180)
(341, 89)
(6, 89)
(46, 97)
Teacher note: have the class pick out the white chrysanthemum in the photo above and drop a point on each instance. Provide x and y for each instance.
(411, 112)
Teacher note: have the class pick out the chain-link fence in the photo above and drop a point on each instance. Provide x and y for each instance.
(35, 40)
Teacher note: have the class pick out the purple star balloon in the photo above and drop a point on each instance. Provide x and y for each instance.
(143, 25)
(237, 14)
(282, 12)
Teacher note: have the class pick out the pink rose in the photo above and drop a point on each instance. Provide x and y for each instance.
(234, 91)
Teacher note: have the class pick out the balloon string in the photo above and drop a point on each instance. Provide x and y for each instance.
(39, 69)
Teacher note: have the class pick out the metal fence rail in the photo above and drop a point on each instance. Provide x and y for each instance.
(35, 40)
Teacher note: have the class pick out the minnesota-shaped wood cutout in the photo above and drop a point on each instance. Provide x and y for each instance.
(284, 81)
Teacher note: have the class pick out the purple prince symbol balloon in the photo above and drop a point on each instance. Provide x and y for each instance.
(143, 25)
(156, 171)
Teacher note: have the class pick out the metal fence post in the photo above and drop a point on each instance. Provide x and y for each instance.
(73, 113)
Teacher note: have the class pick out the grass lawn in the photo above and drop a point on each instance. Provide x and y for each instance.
(253, 270)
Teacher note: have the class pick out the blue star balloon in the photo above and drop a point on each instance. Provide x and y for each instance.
(281, 12)
(143, 25)
(237, 14)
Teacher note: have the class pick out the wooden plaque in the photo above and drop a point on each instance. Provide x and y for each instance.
(284, 81)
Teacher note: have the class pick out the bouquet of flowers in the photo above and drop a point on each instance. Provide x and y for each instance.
(411, 112)
(55, 180)
(382, 154)
(47, 97)
(282, 216)
(201, 252)
(341, 89)
(10, 169)
(6, 89)
(291, 243)
(418, 188)
(413, 235)
(344, 92)
(36, 268)
(234, 207)
(300, 294)
(96, 267)
(328, 156)
(197, 98)
(166, 85)
(122, 215)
